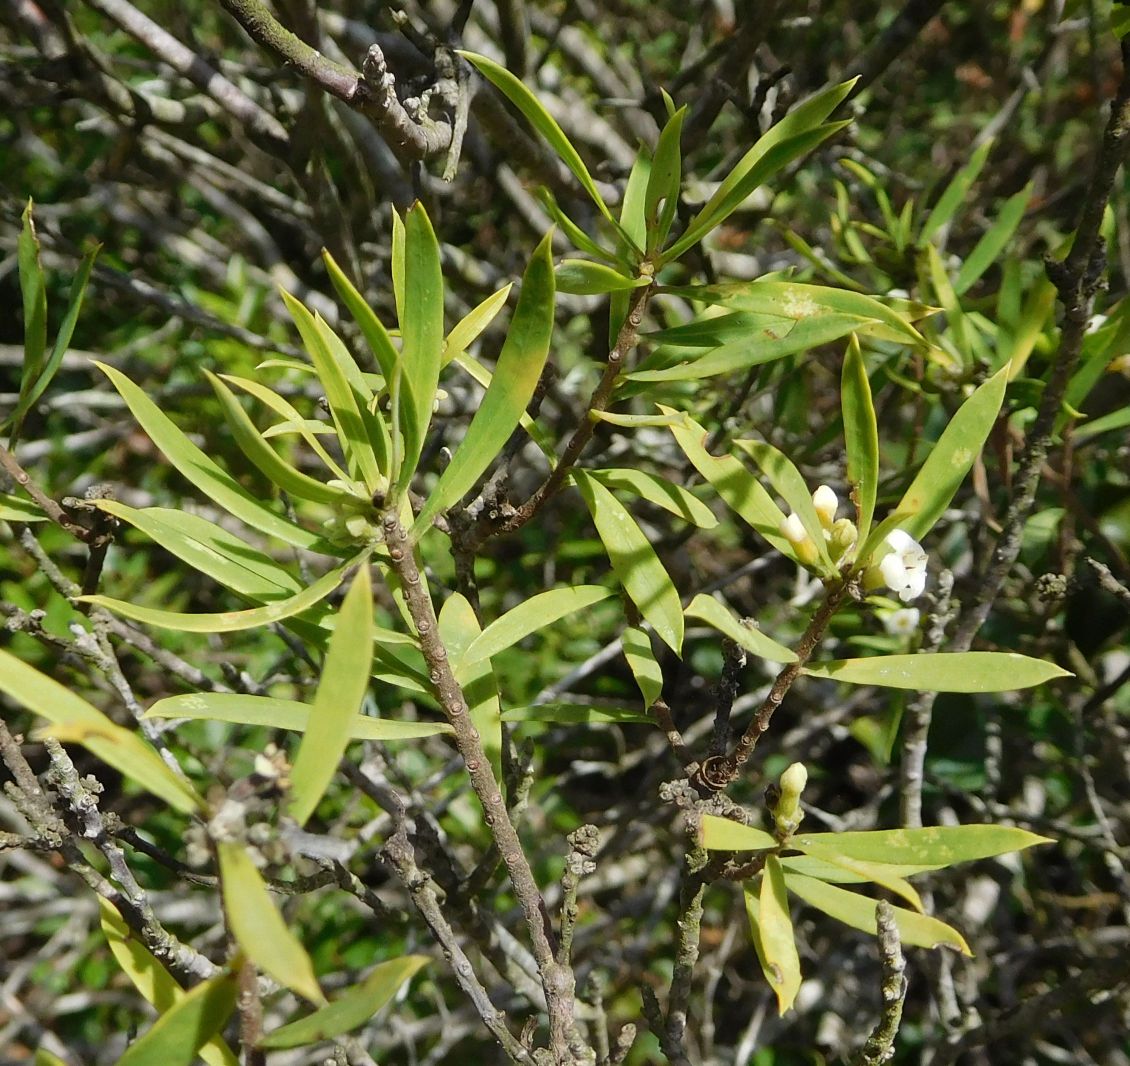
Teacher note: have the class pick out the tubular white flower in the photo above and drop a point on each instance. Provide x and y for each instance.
(827, 504)
(903, 568)
(792, 529)
(901, 623)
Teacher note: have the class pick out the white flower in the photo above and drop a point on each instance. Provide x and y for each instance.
(903, 568)
(826, 504)
(901, 623)
(792, 529)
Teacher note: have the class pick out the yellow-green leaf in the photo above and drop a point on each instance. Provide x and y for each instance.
(662, 493)
(881, 873)
(17, 509)
(465, 332)
(861, 435)
(707, 609)
(723, 834)
(773, 935)
(273, 713)
(582, 278)
(577, 714)
(351, 1009)
(966, 671)
(118, 747)
(341, 688)
(643, 664)
(858, 911)
(180, 1033)
(932, 847)
(634, 561)
(259, 928)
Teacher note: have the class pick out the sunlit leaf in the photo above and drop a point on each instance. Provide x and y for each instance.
(512, 387)
(17, 509)
(259, 928)
(861, 435)
(950, 459)
(341, 688)
(70, 714)
(723, 834)
(811, 866)
(467, 330)
(707, 609)
(880, 873)
(664, 182)
(353, 1008)
(659, 491)
(931, 847)
(858, 911)
(226, 621)
(966, 671)
(179, 1034)
(201, 471)
(773, 935)
(373, 330)
(533, 614)
(643, 664)
(577, 714)
(580, 277)
(634, 561)
(272, 713)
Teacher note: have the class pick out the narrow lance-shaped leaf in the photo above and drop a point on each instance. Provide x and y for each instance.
(125, 751)
(227, 621)
(541, 120)
(964, 671)
(634, 561)
(737, 487)
(353, 1008)
(879, 873)
(993, 241)
(33, 289)
(151, 979)
(257, 926)
(179, 1034)
(341, 688)
(950, 459)
(459, 628)
(421, 330)
(773, 936)
(858, 911)
(861, 435)
(528, 617)
(723, 834)
(576, 714)
(673, 498)
(373, 330)
(17, 509)
(955, 193)
(511, 388)
(641, 660)
(665, 181)
(201, 471)
(931, 847)
(272, 713)
(467, 330)
(709, 610)
(580, 277)
(62, 341)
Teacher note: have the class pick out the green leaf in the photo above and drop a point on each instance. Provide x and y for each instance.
(932, 847)
(1119, 419)
(210, 549)
(707, 609)
(580, 277)
(839, 875)
(346, 394)
(641, 660)
(151, 979)
(512, 387)
(959, 336)
(955, 193)
(341, 688)
(880, 873)
(33, 289)
(617, 418)
(736, 486)
(17, 509)
(798, 133)
(541, 120)
(993, 241)
(373, 330)
(528, 617)
(201, 471)
(577, 714)
(959, 671)
(226, 621)
(267, 460)
(656, 490)
(459, 629)
(664, 182)
(75, 719)
(28, 399)
(274, 713)
(633, 220)
(258, 927)
(180, 1033)
(950, 459)
(861, 436)
(1120, 21)
(799, 302)
(353, 1008)
(765, 347)
(858, 911)
(467, 330)
(790, 485)
(634, 561)
(773, 935)
(575, 235)
(421, 329)
(722, 834)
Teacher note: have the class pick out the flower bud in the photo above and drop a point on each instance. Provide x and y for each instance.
(841, 538)
(827, 504)
(792, 529)
(787, 814)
